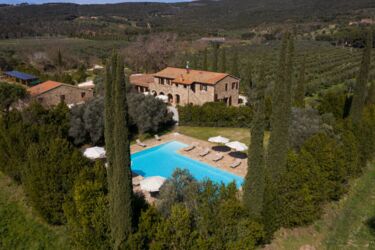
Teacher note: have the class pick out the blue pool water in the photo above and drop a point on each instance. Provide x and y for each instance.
(162, 160)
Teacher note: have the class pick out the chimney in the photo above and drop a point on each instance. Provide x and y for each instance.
(187, 67)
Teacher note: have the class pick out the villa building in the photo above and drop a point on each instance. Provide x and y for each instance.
(51, 93)
(186, 86)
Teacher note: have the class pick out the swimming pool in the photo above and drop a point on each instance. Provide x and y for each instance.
(162, 160)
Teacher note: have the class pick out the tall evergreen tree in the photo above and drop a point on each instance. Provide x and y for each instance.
(254, 181)
(235, 70)
(59, 59)
(118, 150)
(194, 63)
(249, 86)
(215, 57)
(360, 90)
(109, 114)
(279, 139)
(223, 65)
(205, 60)
(371, 93)
(299, 92)
(122, 177)
(278, 143)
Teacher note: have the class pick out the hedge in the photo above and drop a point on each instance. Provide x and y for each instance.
(215, 114)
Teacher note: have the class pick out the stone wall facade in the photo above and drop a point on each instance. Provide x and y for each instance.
(67, 94)
(226, 90)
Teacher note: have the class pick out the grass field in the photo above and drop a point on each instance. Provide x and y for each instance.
(203, 133)
(345, 226)
(234, 134)
(20, 227)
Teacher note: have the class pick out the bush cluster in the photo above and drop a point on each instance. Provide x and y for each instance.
(215, 114)
(35, 152)
(196, 215)
(321, 170)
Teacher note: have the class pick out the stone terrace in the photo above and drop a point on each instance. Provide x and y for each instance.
(223, 164)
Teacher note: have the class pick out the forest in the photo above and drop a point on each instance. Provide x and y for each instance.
(199, 18)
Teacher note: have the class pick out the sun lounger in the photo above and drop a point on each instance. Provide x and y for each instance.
(157, 138)
(191, 147)
(235, 164)
(140, 143)
(204, 152)
(217, 157)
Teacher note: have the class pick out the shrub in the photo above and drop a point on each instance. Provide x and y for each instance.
(147, 115)
(327, 155)
(86, 209)
(50, 171)
(215, 115)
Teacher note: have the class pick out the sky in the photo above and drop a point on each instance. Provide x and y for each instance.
(86, 1)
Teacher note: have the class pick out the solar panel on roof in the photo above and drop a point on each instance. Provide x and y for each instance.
(20, 75)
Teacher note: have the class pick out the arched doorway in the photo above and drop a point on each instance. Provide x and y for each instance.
(170, 98)
(177, 99)
(154, 93)
(161, 93)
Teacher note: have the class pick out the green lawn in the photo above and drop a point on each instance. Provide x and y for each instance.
(344, 226)
(20, 227)
(203, 133)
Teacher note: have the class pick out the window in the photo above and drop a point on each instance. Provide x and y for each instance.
(185, 86)
(192, 87)
(62, 98)
(233, 85)
(226, 87)
(40, 99)
(203, 87)
(237, 84)
(83, 94)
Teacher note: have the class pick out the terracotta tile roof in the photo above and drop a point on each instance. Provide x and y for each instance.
(143, 80)
(43, 87)
(183, 76)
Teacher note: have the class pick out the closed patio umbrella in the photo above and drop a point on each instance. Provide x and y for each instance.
(236, 145)
(94, 153)
(152, 184)
(218, 139)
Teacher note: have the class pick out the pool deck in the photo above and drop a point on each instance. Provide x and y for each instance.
(223, 164)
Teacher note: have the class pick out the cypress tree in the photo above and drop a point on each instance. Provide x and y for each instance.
(254, 181)
(360, 89)
(279, 139)
(109, 115)
(194, 63)
(249, 77)
(59, 59)
(118, 152)
(121, 175)
(215, 59)
(278, 142)
(235, 70)
(371, 94)
(299, 92)
(205, 62)
(223, 66)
